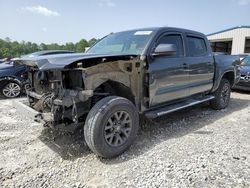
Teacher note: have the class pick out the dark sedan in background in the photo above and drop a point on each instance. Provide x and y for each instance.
(48, 52)
(13, 76)
(244, 83)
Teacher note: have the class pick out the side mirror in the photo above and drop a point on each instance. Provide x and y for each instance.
(165, 50)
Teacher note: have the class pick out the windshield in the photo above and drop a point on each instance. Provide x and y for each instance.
(128, 42)
(246, 61)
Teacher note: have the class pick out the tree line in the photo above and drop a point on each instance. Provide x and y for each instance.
(13, 49)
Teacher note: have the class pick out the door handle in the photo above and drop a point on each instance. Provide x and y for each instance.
(185, 66)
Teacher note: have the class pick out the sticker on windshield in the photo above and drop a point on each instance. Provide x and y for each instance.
(143, 32)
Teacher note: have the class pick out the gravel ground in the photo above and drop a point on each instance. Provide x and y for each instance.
(197, 147)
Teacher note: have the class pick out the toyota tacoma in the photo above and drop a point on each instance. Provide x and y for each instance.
(149, 72)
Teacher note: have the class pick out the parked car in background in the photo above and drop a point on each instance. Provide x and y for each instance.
(13, 75)
(242, 56)
(8, 60)
(48, 52)
(244, 83)
(220, 53)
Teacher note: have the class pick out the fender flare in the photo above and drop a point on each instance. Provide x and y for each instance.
(219, 76)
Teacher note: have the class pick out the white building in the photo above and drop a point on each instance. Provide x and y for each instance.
(233, 41)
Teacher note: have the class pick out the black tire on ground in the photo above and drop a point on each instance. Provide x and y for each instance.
(111, 126)
(10, 89)
(222, 95)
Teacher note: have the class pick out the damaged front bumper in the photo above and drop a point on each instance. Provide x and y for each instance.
(22, 107)
(67, 110)
(71, 97)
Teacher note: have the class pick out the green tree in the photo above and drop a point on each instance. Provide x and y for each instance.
(5, 52)
(43, 46)
(7, 39)
(81, 45)
(9, 48)
(70, 46)
(92, 41)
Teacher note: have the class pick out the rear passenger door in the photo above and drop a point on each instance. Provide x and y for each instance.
(201, 65)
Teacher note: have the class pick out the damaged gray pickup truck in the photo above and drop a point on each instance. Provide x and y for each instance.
(149, 72)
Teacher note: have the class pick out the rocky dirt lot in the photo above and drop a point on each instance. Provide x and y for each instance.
(197, 147)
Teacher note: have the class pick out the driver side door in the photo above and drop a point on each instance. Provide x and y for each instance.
(168, 74)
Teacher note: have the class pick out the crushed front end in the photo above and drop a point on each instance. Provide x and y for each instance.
(63, 89)
(58, 96)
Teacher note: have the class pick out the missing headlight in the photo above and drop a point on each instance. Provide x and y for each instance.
(73, 80)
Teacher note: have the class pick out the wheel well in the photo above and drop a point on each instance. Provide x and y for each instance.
(230, 77)
(116, 88)
(6, 80)
(3, 83)
(9, 79)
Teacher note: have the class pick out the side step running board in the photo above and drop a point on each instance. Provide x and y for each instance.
(174, 107)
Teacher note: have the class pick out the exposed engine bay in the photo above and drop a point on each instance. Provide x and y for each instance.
(58, 93)
(65, 96)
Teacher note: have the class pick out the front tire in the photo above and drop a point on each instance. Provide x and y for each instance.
(222, 95)
(111, 126)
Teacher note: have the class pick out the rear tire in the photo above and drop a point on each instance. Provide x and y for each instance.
(222, 95)
(111, 126)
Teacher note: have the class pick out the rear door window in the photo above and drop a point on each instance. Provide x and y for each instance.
(196, 46)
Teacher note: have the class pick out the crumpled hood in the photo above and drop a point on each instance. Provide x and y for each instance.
(61, 61)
